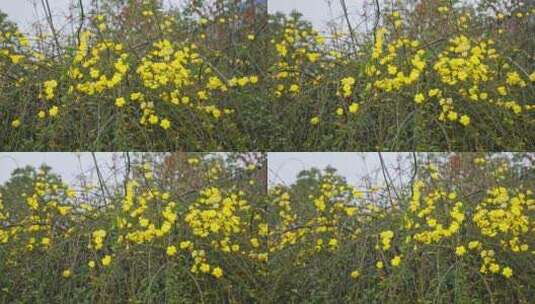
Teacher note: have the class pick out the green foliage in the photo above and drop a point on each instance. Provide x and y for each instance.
(432, 75)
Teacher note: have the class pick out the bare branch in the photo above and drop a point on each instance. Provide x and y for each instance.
(103, 187)
(48, 14)
(349, 26)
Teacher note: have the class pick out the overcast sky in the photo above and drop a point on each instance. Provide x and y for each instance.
(283, 167)
(318, 11)
(68, 165)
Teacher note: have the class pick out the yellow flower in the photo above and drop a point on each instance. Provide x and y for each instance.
(333, 243)
(41, 114)
(143, 222)
(217, 272)
(347, 86)
(136, 96)
(171, 250)
(91, 264)
(460, 251)
(532, 77)
(314, 120)
(185, 245)
(67, 273)
(386, 238)
(120, 102)
(165, 124)
(253, 79)
(355, 274)
(153, 119)
(379, 265)
(16, 123)
(45, 242)
(64, 210)
(54, 111)
(193, 161)
(419, 98)
(255, 243)
(434, 92)
(106, 260)
(339, 111)
(251, 37)
(494, 268)
(216, 113)
(102, 27)
(396, 261)
(354, 108)
(465, 120)
(507, 272)
(16, 58)
(205, 268)
(514, 79)
(98, 238)
(50, 87)
(350, 211)
(313, 57)
(294, 88)
(453, 116)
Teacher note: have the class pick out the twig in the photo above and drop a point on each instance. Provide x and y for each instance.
(415, 173)
(48, 13)
(82, 20)
(196, 285)
(351, 32)
(388, 180)
(377, 17)
(127, 174)
(103, 187)
(518, 66)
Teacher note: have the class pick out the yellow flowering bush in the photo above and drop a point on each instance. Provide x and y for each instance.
(175, 229)
(467, 228)
(204, 228)
(431, 76)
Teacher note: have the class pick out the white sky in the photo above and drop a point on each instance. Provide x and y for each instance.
(318, 11)
(67, 165)
(283, 167)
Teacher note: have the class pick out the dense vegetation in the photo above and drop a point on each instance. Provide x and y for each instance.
(133, 75)
(197, 228)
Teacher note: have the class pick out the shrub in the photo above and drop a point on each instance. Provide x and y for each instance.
(438, 75)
